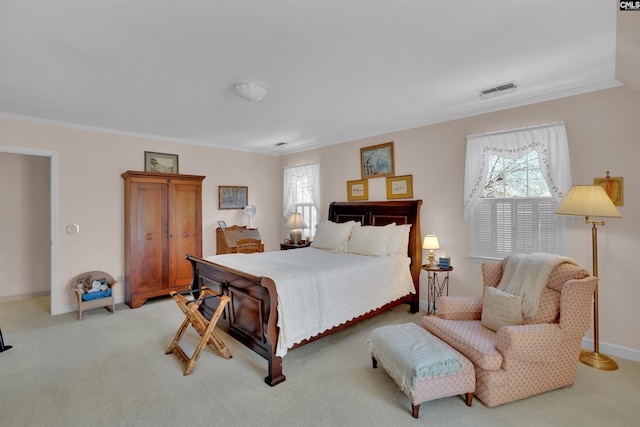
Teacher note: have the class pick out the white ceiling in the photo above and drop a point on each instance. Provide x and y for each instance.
(335, 70)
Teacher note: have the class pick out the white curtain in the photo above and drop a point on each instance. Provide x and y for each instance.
(293, 175)
(550, 142)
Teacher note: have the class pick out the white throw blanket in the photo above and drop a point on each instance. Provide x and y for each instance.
(526, 275)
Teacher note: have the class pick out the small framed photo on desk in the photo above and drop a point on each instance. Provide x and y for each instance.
(222, 225)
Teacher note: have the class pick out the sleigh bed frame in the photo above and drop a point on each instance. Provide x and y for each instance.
(251, 314)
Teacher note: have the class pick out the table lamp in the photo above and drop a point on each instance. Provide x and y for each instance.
(296, 224)
(431, 243)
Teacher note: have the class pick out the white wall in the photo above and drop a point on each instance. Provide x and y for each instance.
(603, 130)
(91, 194)
(24, 226)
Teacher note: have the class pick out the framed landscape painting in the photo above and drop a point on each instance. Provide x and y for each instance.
(232, 197)
(377, 161)
(160, 162)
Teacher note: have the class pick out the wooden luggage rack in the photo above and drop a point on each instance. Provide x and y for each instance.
(204, 327)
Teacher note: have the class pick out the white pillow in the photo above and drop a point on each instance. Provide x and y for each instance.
(399, 240)
(370, 240)
(332, 236)
(500, 309)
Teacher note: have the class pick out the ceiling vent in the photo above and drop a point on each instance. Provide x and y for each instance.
(502, 89)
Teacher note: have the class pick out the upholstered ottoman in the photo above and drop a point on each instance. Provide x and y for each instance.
(424, 367)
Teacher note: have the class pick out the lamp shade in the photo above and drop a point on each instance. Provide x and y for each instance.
(295, 221)
(431, 242)
(587, 200)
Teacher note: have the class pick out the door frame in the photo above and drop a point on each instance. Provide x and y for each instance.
(53, 190)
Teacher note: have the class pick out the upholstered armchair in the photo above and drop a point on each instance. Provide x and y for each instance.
(518, 361)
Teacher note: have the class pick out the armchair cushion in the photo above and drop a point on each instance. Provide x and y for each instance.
(469, 337)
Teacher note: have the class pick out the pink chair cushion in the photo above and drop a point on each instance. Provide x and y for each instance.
(469, 337)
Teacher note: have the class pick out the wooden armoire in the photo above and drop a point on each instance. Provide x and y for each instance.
(163, 223)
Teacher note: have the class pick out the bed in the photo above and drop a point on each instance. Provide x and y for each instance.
(252, 315)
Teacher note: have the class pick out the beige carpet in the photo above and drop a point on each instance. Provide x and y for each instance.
(111, 370)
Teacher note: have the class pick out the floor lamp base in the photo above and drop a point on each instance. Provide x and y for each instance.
(598, 360)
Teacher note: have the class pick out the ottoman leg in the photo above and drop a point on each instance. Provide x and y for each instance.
(469, 399)
(415, 409)
(374, 362)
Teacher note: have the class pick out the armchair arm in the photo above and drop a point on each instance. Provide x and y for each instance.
(575, 305)
(533, 343)
(459, 308)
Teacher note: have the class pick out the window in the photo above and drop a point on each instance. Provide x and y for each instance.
(301, 194)
(513, 182)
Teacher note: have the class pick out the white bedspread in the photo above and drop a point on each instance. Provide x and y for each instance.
(318, 290)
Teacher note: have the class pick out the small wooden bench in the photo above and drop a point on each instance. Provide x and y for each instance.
(424, 367)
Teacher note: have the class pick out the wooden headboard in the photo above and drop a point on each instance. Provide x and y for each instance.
(383, 213)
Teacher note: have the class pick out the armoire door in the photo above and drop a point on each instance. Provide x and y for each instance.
(148, 234)
(185, 221)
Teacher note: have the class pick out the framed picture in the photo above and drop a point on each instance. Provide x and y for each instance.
(232, 197)
(358, 190)
(613, 186)
(377, 161)
(400, 187)
(160, 162)
(222, 225)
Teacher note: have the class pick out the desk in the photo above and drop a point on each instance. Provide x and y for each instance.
(435, 287)
(226, 238)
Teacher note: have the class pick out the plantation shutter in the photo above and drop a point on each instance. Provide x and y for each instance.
(503, 227)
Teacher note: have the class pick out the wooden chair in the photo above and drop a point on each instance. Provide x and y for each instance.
(247, 246)
(86, 279)
(204, 327)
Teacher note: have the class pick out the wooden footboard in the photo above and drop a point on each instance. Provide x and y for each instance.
(251, 314)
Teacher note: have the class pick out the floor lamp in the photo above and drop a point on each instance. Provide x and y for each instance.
(587, 201)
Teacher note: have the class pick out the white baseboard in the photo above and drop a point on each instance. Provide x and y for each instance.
(613, 350)
(28, 295)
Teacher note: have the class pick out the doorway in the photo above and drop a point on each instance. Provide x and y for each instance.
(50, 158)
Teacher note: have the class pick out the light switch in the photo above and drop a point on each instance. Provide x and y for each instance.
(73, 229)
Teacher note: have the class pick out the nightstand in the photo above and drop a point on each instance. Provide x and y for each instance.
(287, 246)
(435, 288)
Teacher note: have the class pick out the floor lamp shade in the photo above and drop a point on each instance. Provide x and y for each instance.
(588, 201)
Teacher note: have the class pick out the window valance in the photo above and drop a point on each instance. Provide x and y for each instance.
(548, 140)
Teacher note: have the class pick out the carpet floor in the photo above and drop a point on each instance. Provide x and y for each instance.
(111, 370)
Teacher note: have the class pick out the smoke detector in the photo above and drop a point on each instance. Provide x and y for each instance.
(501, 89)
